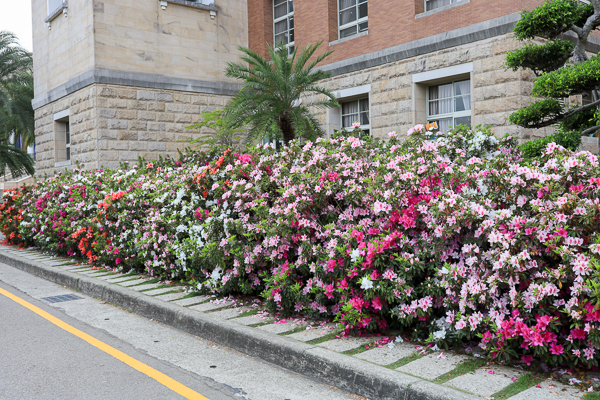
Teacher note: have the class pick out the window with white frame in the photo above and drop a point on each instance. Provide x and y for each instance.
(449, 104)
(433, 4)
(356, 111)
(353, 17)
(283, 23)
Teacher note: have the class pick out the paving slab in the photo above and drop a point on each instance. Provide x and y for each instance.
(191, 300)
(121, 278)
(159, 291)
(484, 381)
(386, 355)
(347, 343)
(107, 277)
(145, 287)
(430, 366)
(313, 333)
(92, 272)
(32, 256)
(133, 282)
(208, 306)
(172, 296)
(549, 389)
(84, 270)
(229, 313)
(250, 320)
(71, 267)
(281, 328)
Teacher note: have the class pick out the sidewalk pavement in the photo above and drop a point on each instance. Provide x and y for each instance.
(354, 364)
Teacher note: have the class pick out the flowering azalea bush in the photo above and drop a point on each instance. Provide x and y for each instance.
(449, 237)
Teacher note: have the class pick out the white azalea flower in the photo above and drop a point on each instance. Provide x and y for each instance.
(366, 283)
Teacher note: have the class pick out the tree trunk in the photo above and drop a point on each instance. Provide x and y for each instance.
(286, 129)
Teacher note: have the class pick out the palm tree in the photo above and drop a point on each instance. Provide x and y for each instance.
(16, 113)
(273, 97)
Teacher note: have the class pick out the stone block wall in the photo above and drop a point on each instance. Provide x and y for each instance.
(180, 40)
(65, 50)
(395, 103)
(143, 122)
(589, 143)
(83, 128)
(110, 124)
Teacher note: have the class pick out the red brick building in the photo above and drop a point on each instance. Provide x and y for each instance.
(401, 62)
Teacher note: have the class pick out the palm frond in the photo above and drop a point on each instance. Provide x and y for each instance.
(17, 161)
(16, 114)
(271, 90)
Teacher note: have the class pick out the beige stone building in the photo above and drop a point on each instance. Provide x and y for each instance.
(118, 79)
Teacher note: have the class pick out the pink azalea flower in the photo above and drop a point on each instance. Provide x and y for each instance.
(527, 360)
(556, 349)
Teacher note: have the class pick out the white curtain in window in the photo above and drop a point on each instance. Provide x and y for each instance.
(444, 124)
(280, 11)
(349, 113)
(281, 32)
(364, 111)
(446, 99)
(462, 87)
(348, 15)
(440, 99)
(347, 3)
(280, 27)
(463, 92)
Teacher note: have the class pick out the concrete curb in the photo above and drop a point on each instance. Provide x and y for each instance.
(344, 372)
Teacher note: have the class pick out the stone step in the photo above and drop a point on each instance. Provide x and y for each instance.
(279, 328)
(387, 355)
(208, 306)
(191, 300)
(313, 333)
(347, 343)
(432, 365)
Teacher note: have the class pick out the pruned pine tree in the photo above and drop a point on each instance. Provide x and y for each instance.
(274, 97)
(561, 64)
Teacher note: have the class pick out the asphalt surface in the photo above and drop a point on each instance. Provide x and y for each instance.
(39, 360)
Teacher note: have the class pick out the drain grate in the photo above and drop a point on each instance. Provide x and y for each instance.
(62, 297)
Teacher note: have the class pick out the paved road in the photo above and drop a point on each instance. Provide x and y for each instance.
(40, 360)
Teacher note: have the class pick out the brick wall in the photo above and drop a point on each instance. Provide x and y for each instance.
(260, 23)
(391, 22)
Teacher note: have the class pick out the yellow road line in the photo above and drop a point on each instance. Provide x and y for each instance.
(132, 362)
